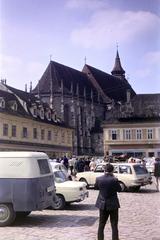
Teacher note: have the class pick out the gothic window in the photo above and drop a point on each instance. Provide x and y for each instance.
(66, 114)
(81, 117)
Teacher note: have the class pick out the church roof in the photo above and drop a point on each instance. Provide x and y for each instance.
(115, 88)
(56, 72)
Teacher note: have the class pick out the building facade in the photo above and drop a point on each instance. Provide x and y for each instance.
(133, 128)
(27, 124)
(81, 99)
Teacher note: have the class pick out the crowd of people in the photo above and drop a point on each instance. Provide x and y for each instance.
(81, 164)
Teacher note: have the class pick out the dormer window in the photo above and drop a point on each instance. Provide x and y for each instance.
(48, 115)
(41, 113)
(2, 103)
(34, 112)
(14, 106)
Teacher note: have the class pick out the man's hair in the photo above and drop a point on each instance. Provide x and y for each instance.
(108, 168)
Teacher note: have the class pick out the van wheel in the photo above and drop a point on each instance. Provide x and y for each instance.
(84, 180)
(123, 187)
(59, 202)
(22, 214)
(7, 214)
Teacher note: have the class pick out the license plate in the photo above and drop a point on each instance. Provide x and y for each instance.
(50, 189)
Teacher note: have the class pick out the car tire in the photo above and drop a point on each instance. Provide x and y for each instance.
(59, 202)
(84, 180)
(123, 187)
(135, 189)
(22, 214)
(7, 214)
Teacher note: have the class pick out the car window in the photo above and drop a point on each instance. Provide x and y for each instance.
(43, 166)
(115, 169)
(140, 169)
(60, 177)
(99, 168)
(125, 169)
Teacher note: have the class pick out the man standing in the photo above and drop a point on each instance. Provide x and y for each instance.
(157, 172)
(107, 201)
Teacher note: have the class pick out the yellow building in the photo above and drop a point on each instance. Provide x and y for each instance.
(133, 128)
(27, 124)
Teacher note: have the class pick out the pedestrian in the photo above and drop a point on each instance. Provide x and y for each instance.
(71, 163)
(65, 162)
(92, 165)
(157, 172)
(107, 201)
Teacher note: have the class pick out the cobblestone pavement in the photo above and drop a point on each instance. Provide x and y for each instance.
(139, 220)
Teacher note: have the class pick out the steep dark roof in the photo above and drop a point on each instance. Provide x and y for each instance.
(26, 96)
(142, 108)
(114, 87)
(8, 98)
(23, 110)
(146, 104)
(56, 73)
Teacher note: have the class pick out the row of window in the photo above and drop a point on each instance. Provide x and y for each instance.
(44, 135)
(128, 134)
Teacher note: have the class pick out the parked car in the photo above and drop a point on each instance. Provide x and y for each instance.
(67, 191)
(130, 175)
(26, 184)
(61, 167)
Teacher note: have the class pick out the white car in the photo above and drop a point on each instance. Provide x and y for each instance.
(67, 191)
(130, 175)
(59, 166)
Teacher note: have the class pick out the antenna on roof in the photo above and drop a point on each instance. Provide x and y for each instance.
(85, 60)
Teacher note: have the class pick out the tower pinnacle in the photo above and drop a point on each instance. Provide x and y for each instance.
(118, 71)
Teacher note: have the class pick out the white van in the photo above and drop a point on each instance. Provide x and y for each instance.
(26, 184)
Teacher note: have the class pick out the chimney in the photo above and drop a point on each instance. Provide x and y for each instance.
(30, 86)
(25, 87)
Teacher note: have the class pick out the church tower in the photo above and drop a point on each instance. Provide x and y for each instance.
(118, 71)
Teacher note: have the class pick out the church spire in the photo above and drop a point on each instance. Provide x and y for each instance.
(118, 71)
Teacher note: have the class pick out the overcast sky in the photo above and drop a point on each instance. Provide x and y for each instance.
(69, 30)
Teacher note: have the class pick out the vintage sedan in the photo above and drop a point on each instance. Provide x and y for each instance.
(130, 175)
(67, 191)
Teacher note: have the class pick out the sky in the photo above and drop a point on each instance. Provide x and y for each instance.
(66, 31)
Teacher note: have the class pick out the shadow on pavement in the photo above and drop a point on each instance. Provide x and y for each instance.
(82, 207)
(57, 221)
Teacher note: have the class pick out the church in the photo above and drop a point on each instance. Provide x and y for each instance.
(82, 98)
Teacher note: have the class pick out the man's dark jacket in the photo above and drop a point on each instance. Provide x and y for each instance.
(108, 187)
